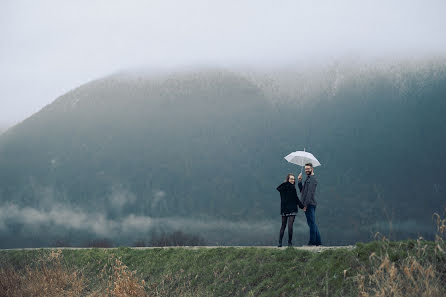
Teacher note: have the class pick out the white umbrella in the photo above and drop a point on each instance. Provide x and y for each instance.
(301, 158)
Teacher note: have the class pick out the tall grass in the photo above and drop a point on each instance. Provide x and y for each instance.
(122, 281)
(418, 274)
(48, 277)
(51, 277)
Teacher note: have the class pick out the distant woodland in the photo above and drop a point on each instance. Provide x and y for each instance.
(201, 152)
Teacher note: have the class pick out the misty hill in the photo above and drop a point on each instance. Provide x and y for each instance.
(3, 128)
(202, 151)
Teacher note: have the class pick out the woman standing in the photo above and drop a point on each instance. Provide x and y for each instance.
(288, 207)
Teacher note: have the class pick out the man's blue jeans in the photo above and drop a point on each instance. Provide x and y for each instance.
(315, 237)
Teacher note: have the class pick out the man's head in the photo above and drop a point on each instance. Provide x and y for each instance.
(309, 169)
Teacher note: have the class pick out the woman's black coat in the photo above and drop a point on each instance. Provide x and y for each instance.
(288, 198)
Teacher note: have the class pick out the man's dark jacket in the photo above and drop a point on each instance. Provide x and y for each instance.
(288, 198)
(308, 191)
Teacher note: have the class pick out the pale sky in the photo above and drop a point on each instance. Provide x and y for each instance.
(50, 47)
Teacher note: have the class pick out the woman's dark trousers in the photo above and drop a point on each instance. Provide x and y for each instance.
(290, 220)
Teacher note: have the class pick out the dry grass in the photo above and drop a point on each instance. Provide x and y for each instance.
(416, 275)
(51, 278)
(121, 281)
(48, 277)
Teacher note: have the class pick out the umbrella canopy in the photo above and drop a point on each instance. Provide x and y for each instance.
(301, 158)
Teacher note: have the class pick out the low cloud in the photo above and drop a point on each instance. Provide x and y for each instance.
(97, 223)
(136, 223)
(121, 197)
(59, 216)
(158, 202)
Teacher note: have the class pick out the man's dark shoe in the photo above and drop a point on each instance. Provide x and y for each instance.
(280, 244)
(290, 244)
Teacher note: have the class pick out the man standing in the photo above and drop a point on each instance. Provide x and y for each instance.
(308, 191)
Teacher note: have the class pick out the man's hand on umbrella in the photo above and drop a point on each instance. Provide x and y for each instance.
(300, 177)
(305, 208)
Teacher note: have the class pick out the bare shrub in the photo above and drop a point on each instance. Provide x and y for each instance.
(139, 243)
(100, 243)
(177, 238)
(416, 275)
(61, 243)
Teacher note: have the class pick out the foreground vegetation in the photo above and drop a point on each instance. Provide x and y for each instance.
(379, 268)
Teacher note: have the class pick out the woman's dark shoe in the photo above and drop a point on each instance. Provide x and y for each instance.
(290, 244)
(280, 244)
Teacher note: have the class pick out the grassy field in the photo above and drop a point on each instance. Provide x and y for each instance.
(250, 271)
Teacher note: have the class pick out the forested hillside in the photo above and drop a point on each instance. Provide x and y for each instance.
(202, 152)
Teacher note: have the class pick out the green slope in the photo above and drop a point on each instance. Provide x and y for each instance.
(240, 271)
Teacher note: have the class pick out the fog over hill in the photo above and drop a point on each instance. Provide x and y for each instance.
(201, 151)
(4, 127)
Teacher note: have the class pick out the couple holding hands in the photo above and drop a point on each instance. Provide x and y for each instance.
(289, 202)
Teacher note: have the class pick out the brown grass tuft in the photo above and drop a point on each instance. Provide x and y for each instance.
(48, 277)
(416, 275)
(121, 281)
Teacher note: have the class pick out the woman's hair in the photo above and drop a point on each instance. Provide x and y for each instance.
(288, 176)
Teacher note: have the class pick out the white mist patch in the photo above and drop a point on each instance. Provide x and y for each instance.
(30, 216)
(97, 223)
(136, 223)
(158, 201)
(58, 215)
(121, 197)
(208, 224)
